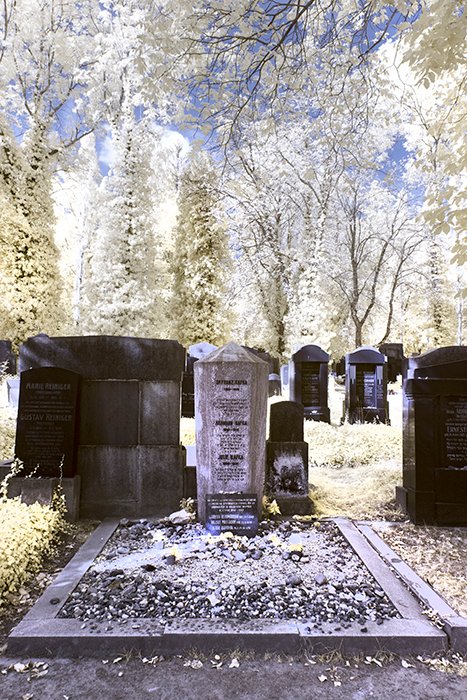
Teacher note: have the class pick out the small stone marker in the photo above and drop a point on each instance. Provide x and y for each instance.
(287, 459)
(47, 419)
(231, 388)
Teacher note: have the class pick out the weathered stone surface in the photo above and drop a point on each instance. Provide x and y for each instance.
(106, 357)
(231, 407)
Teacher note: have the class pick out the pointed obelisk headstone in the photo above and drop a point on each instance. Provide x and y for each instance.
(231, 391)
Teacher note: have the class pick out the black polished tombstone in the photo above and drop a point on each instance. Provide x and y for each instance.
(287, 459)
(365, 387)
(7, 358)
(435, 438)
(46, 431)
(308, 382)
(395, 359)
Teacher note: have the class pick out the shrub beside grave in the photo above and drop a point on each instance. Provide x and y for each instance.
(352, 445)
(29, 533)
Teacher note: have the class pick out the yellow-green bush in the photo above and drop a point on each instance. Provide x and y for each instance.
(28, 534)
(352, 445)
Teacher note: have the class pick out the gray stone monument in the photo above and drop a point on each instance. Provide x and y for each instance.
(231, 392)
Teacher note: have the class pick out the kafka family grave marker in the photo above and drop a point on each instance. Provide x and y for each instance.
(231, 390)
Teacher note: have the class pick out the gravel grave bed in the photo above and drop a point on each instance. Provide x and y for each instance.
(290, 570)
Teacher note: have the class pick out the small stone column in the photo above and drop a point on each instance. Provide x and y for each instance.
(231, 392)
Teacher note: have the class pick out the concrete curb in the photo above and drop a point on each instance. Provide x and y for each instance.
(41, 632)
(454, 624)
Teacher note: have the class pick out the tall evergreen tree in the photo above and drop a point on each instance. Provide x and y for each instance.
(200, 262)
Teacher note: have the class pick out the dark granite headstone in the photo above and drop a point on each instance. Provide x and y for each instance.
(366, 387)
(47, 421)
(308, 379)
(395, 359)
(273, 362)
(435, 438)
(287, 459)
(286, 422)
(7, 358)
(233, 512)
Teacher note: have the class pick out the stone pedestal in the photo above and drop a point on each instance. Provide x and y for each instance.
(231, 388)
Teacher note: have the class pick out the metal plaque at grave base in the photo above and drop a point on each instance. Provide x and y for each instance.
(232, 512)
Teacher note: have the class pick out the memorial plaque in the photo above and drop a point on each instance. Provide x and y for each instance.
(47, 419)
(232, 512)
(230, 414)
(454, 415)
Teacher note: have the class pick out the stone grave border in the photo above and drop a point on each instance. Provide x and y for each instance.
(42, 633)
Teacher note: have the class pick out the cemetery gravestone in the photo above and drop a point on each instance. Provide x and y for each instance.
(435, 438)
(230, 413)
(308, 382)
(284, 374)
(274, 385)
(395, 359)
(287, 459)
(365, 387)
(188, 389)
(129, 455)
(47, 421)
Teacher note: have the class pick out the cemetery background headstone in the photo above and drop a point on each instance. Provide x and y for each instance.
(435, 438)
(395, 359)
(308, 382)
(284, 374)
(129, 455)
(274, 385)
(273, 362)
(7, 357)
(365, 387)
(188, 389)
(287, 459)
(231, 388)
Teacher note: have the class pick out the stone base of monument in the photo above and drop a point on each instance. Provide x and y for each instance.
(41, 490)
(295, 505)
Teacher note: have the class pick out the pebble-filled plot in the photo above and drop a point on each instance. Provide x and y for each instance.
(290, 570)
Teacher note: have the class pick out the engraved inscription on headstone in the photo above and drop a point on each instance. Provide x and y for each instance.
(455, 430)
(231, 387)
(47, 418)
(234, 512)
(365, 386)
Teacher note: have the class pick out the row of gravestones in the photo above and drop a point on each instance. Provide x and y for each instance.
(306, 377)
(108, 409)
